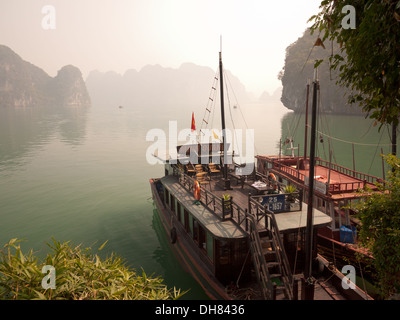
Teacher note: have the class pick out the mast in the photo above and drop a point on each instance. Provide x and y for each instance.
(306, 121)
(225, 167)
(309, 283)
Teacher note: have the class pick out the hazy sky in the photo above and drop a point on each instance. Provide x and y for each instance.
(122, 34)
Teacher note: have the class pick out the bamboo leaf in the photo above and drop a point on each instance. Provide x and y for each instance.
(102, 246)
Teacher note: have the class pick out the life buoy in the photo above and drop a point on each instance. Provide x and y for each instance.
(272, 180)
(173, 235)
(197, 190)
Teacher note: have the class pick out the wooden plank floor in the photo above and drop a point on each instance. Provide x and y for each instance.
(240, 194)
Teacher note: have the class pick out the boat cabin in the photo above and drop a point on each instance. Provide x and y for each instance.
(222, 246)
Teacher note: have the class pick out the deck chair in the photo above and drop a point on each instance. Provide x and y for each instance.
(190, 169)
(203, 178)
(199, 168)
(213, 168)
(181, 167)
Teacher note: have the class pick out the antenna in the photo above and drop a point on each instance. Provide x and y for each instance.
(220, 43)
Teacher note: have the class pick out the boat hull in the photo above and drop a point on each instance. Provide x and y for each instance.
(185, 253)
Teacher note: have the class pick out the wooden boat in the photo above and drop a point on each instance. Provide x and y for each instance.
(238, 239)
(333, 196)
(335, 189)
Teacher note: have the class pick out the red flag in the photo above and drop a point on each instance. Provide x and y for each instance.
(193, 123)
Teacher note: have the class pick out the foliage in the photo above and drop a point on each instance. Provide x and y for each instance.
(380, 229)
(289, 189)
(80, 275)
(369, 57)
(226, 196)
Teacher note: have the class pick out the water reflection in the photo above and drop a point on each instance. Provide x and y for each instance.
(72, 127)
(26, 130)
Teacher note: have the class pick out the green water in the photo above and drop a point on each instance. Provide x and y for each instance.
(82, 175)
(350, 141)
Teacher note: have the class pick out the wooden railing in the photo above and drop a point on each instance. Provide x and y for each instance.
(349, 172)
(295, 173)
(223, 209)
(333, 187)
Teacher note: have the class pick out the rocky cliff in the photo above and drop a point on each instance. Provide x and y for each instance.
(24, 85)
(299, 67)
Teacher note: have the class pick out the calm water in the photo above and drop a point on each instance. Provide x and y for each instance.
(82, 175)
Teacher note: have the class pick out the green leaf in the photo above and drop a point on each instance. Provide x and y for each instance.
(40, 295)
(102, 246)
(317, 63)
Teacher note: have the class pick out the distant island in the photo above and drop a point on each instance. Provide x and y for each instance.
(299, 67)
(22, 84)
(156, 86)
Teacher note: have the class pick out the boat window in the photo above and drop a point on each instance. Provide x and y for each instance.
(190, 224)
(186, 220)
(166, 196)
(178, 210)
(195, 231)
(210, 246)
(199, 235)
(182, 216)
(172, 202)
(202, 238)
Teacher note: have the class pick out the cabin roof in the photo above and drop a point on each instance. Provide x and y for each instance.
(218, 228)
(192, 152)
(287, 221)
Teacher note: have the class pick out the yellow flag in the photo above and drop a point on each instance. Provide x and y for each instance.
(215, 135)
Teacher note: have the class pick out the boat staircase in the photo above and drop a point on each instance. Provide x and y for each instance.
(270, 260)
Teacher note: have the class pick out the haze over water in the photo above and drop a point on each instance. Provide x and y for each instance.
(82, 175)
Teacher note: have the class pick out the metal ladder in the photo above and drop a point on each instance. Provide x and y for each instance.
(270, 261)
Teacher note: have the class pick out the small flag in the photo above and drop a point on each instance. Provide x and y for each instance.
(215, 135)
(193, 123)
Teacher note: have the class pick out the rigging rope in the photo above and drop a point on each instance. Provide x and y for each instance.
(230, 112)
(210, 104)
(238, 106)
(352, 142)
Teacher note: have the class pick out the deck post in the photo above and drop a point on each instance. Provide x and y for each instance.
(295, 290)
(309, 283)
(246, 221)
(274, 291)
(223, 209)
(249, 203)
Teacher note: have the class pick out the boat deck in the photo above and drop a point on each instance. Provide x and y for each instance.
(220, 229)
(330, 179)
(286, 221)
